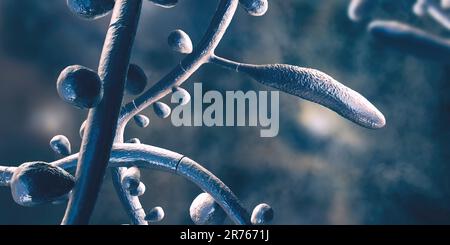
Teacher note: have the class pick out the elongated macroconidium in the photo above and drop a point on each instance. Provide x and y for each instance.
(315, 86)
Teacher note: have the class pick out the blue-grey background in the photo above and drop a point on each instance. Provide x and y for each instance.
(321, 169)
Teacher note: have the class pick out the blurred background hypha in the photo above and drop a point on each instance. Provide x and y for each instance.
(320, 169)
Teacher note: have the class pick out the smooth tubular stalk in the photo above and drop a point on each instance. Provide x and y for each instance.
(150, 157)
(226, 63)
(201, 55)
(102, 120)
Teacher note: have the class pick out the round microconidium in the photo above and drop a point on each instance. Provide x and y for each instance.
(136, 80)
(205, 211)
(61, 145)
(161, 110)
(156, 214)
(36, 183)
(255, 7)
(90, 9)
(139, 191)
(262, 214)
(141, 120)
(131, 178)
(80, 87)
(180, 42)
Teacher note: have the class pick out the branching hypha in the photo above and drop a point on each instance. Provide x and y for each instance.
(406, 37)
(103, 131)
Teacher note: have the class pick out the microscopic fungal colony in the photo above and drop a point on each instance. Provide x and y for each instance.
(102, 93)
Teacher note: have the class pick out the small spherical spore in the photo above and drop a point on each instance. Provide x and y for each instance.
(36, 183)
(420, 7)
(262, 214)
(131, 179)
(156, 214)
(181, 95)
(255, 7)
(161, 110)
(90, 9)
(61, 145)
(445, 4)
(165, 3)
(80, 87)
(205, 211)
(133, 141)
(141, 120)
(136, 80)
(139, 191)
(180, 42)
